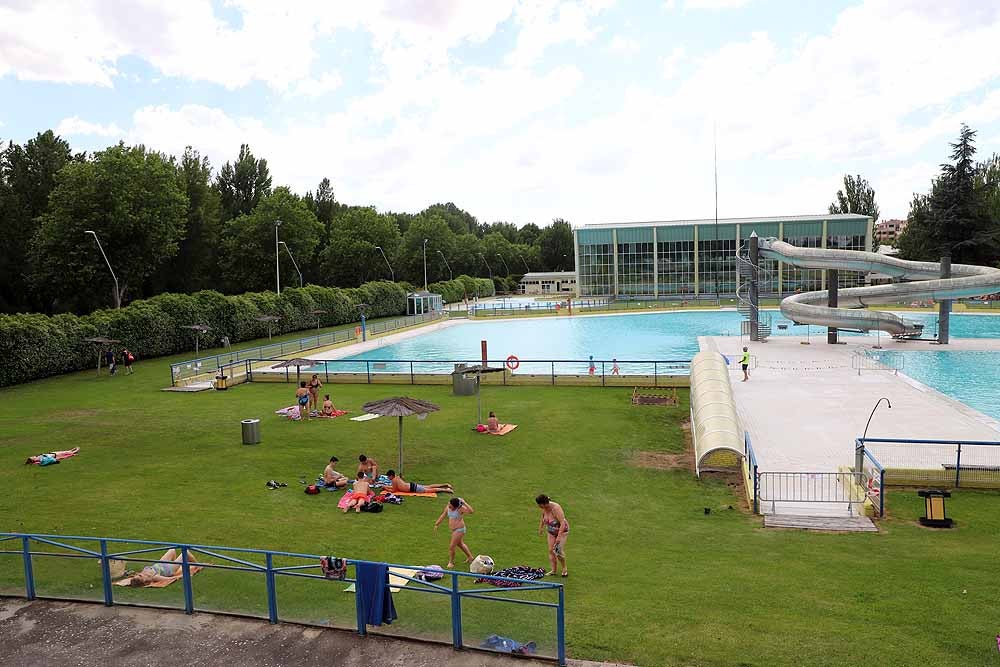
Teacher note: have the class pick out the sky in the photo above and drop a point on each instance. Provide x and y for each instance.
(523, 110)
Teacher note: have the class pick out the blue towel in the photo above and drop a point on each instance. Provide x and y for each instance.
(373, 592)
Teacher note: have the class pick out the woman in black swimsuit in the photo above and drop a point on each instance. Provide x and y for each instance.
(314, 387)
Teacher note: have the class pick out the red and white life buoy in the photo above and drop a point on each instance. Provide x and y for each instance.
(357, 332)
(513, 362)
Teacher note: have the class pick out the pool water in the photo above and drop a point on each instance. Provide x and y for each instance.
(653, 336)
(969, 377)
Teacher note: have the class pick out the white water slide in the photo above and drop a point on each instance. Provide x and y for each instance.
(812, 308)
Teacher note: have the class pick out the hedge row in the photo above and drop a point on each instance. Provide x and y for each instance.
(35, 346)
(456, 290)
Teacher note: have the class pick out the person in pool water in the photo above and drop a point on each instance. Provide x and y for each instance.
(455, 510)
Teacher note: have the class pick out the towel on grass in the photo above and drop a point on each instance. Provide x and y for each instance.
(423, 494)
(364, 418)
(336, 413)
(162, 583)
(397, 579)
(517, 572)
(503, 430)
(347, 498)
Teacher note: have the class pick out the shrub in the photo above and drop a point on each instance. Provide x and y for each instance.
(35, 346)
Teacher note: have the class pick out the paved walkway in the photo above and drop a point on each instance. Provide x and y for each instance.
(38, 634)
(805, 404)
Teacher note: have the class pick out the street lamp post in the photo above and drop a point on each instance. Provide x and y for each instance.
(294, 263)
(488, 267)
(451, 276)
(425, 265)
(277, 263)
(877, 403)
(526, 267)
(392, 273)
(504, 263)
(364, 328)
(118, 296)
(559, 268)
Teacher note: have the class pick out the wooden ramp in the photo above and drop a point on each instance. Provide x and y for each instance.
(844, 524)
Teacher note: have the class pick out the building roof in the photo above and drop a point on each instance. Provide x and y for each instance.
(550, 275)
(729, 221)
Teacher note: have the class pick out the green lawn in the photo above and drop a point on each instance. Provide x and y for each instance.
(654, 579)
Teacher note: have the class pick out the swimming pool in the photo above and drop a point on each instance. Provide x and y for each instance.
(650, 336)
(969, 377)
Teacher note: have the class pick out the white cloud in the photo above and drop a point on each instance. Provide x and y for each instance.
(545, 23)
(75, 126)
(714, 4)
(670, 63)
(318, 86)
(623, 45)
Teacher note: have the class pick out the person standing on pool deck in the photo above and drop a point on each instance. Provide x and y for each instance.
(554, 523)
(591, 368)
(455, 510)
(745, 364)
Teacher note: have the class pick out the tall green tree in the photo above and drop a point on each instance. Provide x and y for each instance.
(248, 243)
(132, 199)
(528, 234)
(858, 196)
(459, 221)
(242, 185)
(27, 177)
(351, 256)
(439, 237)
(464, 257)
(556, 245)
(195, 267)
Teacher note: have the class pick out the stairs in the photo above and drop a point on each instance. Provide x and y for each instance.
(745, 270)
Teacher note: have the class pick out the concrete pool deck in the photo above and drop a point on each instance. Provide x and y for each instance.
(805, 404)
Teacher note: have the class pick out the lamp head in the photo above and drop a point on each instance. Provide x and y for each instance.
(277, 223)
(282, 243)
(90, 231)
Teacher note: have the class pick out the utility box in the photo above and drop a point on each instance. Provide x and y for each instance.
(251, 431)
(463, 383)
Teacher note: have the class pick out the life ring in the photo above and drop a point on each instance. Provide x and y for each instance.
(513, 362)
(357, 332)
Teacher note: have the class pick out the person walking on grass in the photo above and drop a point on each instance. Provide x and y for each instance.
(745, 364)
(556, 526)
(127, 359)
(455, 510)
(109, 359)
(302, 400)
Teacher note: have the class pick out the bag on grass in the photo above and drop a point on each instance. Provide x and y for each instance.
(333, 568)
(374, 507)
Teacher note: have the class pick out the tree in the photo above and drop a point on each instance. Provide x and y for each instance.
(494, 244)
(241, 186)
(528, 234)
(350, 257)
(27, 177)
(248, 242)
(439, 237)
(195, 267)
(556, 245)
(132, 199)
(459, 221)
(857, 197)
(464, 257)
(508, 230)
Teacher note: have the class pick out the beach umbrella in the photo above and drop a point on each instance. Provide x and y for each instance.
(400, 406)
(297, 362)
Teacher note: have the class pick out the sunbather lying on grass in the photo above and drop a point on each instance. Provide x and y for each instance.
(161, 571)
(401, 485)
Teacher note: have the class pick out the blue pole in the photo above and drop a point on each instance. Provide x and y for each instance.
(272, 598)
(881, 493)
(756, 491)
(456, 613)
(364, 329)
(188, 592)
(29, 577)
(561, 628)
(106, 574)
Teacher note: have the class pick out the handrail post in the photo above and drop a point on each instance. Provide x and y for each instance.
(326, 370)
(368, 371)
(456, 613)
(655, 377)
(553, 373)
(106, 574)
(186, 571)
(411, 373)
(29, 575)
(561, 628)
(249, 371)
(958, 465)
(756, 490)
(881, 492)
(272, 598)
(602, 373)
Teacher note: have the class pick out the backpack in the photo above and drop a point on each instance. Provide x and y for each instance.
(312, 490)
(374, 507)
(333, 568)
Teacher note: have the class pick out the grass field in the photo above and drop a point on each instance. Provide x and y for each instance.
(654, 580)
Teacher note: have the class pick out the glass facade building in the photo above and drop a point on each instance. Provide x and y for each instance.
(697, 258)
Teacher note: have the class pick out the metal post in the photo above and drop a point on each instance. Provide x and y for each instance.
(881, 493)
(833, 298)
(277, 265)
(756, 490)
(561, 628)
(944, 306)
(29, 576)
(553, 373)
(456, 613)
(272, 598)
(411, 373)
(602, 373)
(188, 592)
(368, 371)
(958, 465)
(106, 574)
(655, 376)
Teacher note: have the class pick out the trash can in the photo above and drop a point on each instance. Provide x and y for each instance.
(462, 383)
(220, 382)
(251, 431)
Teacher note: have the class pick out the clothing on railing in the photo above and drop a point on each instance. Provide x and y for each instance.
(373, 591)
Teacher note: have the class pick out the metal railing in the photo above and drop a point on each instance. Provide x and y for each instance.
(184, 370)
(873, 475)
(430, 371)
(810, 487)
(752, 473)
(34, 546)
(940, 463)
(864, 361)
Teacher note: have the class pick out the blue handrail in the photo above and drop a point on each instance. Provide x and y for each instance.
(106, 555)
